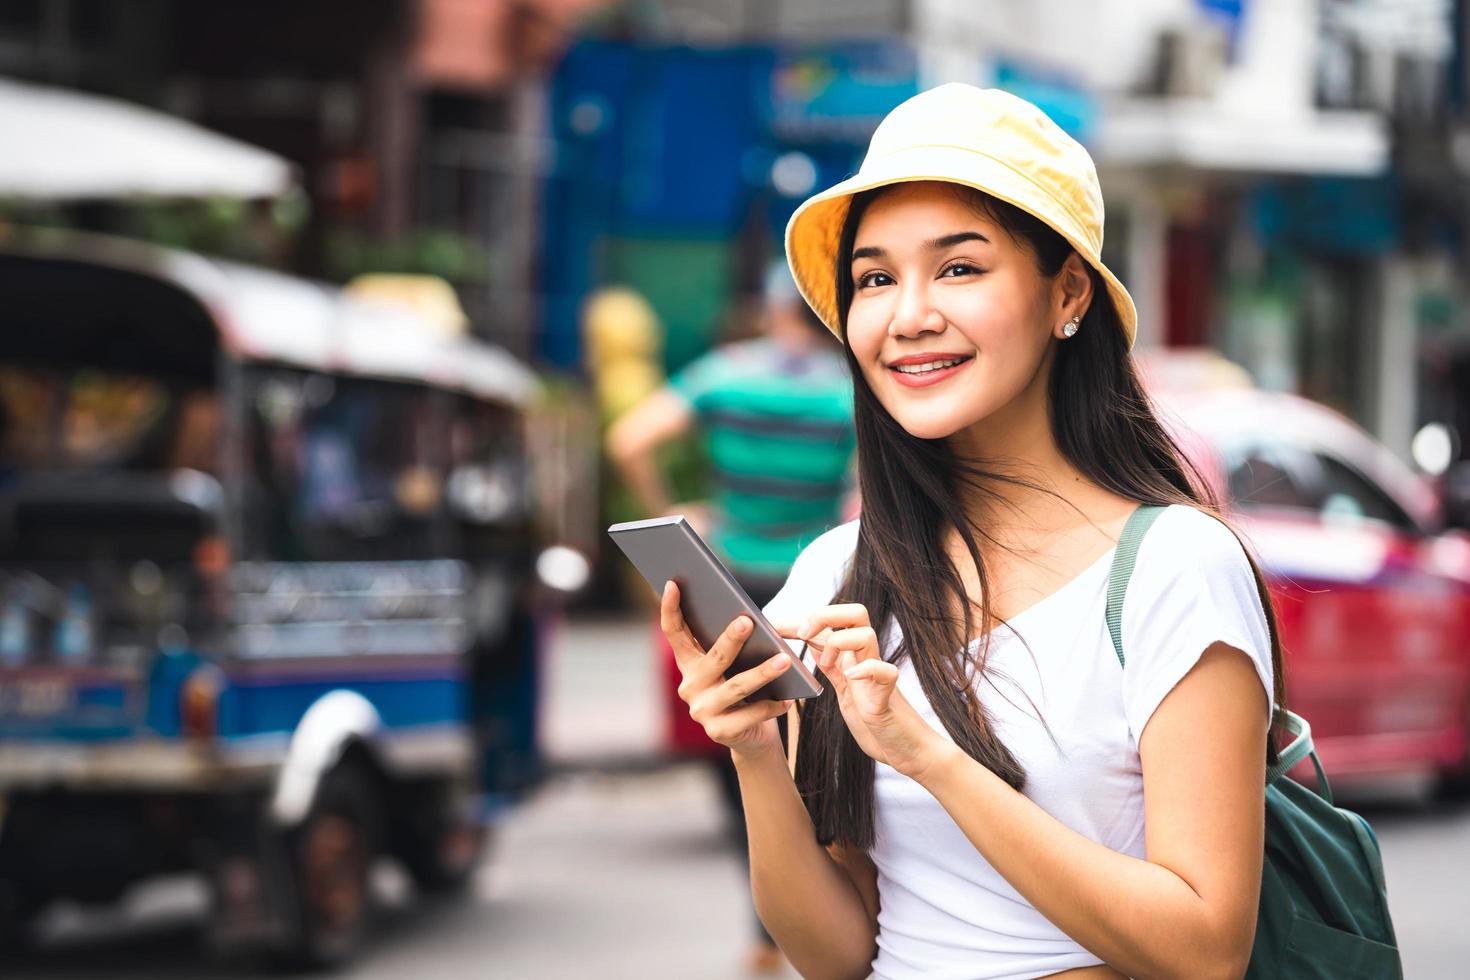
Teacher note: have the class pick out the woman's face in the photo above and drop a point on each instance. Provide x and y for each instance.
(951, 320)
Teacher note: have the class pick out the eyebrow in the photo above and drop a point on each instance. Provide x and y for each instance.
(937, 244)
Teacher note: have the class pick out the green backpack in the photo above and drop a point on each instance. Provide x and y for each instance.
(1324, 905)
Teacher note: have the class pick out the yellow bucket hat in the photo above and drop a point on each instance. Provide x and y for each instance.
(982, 138)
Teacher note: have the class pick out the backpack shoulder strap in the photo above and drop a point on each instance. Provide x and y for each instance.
(1138, 524)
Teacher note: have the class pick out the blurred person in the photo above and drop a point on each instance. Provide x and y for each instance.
(776, 416)
(982, 789)
(624, 344)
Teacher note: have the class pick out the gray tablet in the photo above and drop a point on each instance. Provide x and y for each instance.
(665, 548)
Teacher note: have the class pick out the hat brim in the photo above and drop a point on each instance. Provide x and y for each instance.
(814, 232)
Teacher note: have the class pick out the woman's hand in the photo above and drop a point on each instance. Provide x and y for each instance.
(878, 715)
(715, 703)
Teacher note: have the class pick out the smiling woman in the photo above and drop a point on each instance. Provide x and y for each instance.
(907, 288)
(981, 790)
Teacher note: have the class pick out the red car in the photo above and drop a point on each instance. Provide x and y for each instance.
(1371, 591)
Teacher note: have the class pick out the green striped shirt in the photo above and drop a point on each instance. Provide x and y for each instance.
(778, 431)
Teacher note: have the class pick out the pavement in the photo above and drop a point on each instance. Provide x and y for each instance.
(619, 866)
(605, 708)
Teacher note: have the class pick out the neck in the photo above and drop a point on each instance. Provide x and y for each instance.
(1018, 441)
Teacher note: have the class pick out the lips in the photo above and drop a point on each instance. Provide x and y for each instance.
(922, 370)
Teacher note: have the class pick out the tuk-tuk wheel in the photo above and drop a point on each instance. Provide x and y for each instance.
(331, 855)
(444, 861)
(18, 915)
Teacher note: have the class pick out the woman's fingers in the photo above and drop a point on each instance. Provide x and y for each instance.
(787, 629)
(874, 671)
(734, 723)
(872, 682)
(704, 672)
(861, 641)
(841, 616)
(717, 699)
(827, 663)
(694, 660)
(687, 650)
(722, 653)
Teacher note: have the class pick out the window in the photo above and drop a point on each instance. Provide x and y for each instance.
(1270, 475)
(1348, 495)
(344, 469)
(90, 419)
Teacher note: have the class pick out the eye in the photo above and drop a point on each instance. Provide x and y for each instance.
(956, 269)
(874, 278)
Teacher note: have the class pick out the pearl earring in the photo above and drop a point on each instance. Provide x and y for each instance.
(1070, 328)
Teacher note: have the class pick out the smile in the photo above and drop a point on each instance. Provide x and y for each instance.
(924, 373)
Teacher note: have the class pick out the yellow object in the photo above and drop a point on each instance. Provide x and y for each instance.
(619, 323)
(433, 299)
(982, 138)
(624, 383)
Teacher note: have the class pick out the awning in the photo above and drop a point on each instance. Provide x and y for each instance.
(1194, 134)
(65, 145)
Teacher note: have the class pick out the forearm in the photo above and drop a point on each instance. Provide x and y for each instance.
(1141, 918)
(808, 904)
(641, 472)
(632, 444)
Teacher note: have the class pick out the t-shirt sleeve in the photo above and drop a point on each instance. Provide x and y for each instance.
(815, 577)
(699, 378)
(1192, 586)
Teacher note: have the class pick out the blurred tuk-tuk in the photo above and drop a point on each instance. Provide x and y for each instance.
(267, 589)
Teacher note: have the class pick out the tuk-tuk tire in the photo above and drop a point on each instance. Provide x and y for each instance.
(18, 924)
(348, 802)
(440, 868)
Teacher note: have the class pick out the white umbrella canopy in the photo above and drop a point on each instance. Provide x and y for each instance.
(58, 145)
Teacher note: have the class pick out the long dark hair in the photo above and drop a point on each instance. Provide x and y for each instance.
(913, 492)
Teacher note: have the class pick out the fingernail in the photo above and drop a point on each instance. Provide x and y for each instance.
(742, 625)
(850, 670)
(781, 663)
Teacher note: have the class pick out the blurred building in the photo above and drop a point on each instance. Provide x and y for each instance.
(416, 123)
(1286, 178)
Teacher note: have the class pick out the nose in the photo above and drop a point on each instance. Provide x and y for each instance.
(913, 313)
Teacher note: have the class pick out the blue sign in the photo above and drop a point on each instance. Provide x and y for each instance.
(841, 93)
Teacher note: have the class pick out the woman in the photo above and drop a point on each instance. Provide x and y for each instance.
(981, 790)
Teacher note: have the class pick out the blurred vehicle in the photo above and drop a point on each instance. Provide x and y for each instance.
(1372, 590)
(268, 589)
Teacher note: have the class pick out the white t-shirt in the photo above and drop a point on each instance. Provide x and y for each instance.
(944, 912)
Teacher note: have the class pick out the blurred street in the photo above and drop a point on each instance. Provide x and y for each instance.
(335, 335)
(625, 874)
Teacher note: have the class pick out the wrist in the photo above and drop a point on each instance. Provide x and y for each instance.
(756, 755)
(939, 764)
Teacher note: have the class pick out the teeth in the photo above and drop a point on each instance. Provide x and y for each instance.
(930, 366)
